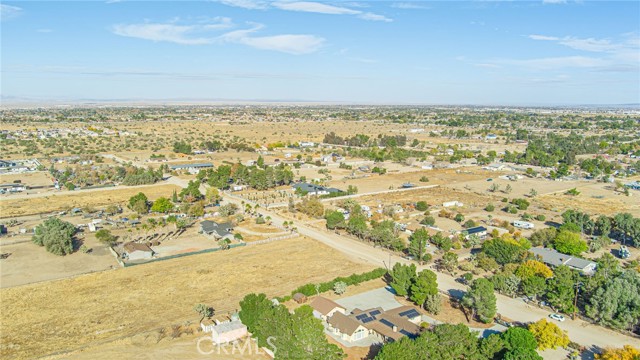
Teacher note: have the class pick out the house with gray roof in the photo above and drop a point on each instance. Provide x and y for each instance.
(553, 258)
(313, 189)
(219, 231)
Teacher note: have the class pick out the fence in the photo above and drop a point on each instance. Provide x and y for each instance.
(123, 264)
(265, 241)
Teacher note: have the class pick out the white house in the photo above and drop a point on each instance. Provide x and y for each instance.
(451, 204)
(226, 332)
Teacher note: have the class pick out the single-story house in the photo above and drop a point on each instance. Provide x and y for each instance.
(347, 328)
(135, 251)
(191, 168)
(227, 332)
(219, 231)
(324, 308)
(479, 231)
(389, 325)
(553, 258)
(313, 189)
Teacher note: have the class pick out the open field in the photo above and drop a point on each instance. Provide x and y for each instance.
(65, 200)
(36, 178)
(128, 301)
(30, 263)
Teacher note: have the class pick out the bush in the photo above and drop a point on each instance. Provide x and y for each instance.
(459, 218)
(422, 206)
(424, 179)
(490, 208)
(541, 217)
(428, 220)
(260, 220)
(469, 224)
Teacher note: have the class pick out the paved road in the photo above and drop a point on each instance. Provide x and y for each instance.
(579, 331)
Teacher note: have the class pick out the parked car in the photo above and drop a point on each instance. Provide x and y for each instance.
(557, 317)
(489, 179)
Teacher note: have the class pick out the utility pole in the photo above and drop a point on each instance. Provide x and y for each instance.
(575, 300)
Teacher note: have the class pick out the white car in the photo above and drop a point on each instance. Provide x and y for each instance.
(557, 317)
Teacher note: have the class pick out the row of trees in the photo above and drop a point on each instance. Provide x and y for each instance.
(260, 179)
(446, 341)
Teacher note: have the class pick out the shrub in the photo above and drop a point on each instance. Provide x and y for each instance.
(260, 220)
(490, 208)
(422, 206)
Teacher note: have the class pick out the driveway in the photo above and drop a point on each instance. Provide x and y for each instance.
(383, 297)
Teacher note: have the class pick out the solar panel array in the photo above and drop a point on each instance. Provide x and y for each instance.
(387, 322)
(361, 316)
(368, 319)
(410, 313)
(374, 312)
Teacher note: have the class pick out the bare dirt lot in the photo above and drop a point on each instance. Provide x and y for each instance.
(38, 178)
(19, 206)
(122, 303)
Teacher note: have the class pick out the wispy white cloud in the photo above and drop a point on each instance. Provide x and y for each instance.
(201, 34)
(488, 65)
(44, 31)
(409, 5)
(588, 44)
(309, 7)
(246, 4)
(8, 12)
(194, 34)
(554, 1)
(314, 7)
(374, 17)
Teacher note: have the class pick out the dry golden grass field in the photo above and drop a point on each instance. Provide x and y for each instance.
(65, 315)
(28, 205)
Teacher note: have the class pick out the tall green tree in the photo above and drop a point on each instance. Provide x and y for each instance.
(481, 299)
(402, 277)
(570, 243)
(418, 243)
(425, 284)
(162, 205)
(617, 302)
(560, 289)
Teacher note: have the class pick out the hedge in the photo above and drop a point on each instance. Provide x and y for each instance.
(310, 289)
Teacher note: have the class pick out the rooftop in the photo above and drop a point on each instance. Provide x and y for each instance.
(324, 305)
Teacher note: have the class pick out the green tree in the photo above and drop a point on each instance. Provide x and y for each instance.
(422, 206)
(433, 304)
(503, 251)
(357, 225)
(428, 220)
(402, 277)
(617, 302)
(570, 243)
(252, 307)
(192, 192)
(162, 205)
(213, 195)
(335, 220)
(560, 288)
(450, 261)
(55, 235)
(533, 286)
(105, 237)
(136, 200)
(543, 237)
(481, 299)
(519, 338)
(182, 147)
(424, 284)
(418, 243)
(203, 310)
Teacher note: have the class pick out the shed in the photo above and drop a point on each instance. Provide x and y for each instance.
(300, 298)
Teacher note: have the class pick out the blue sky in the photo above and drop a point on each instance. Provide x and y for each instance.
(396, 52)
